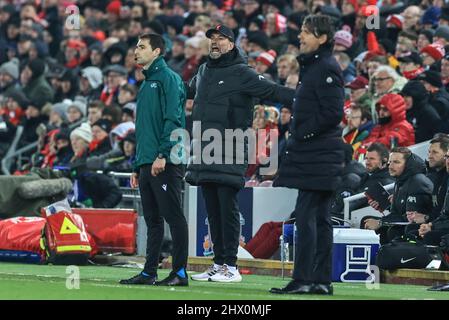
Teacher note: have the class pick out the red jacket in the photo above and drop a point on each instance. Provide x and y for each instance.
(398, 127)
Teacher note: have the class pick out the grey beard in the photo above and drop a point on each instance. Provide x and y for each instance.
(215, 55)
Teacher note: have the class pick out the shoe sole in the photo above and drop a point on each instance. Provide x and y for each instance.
(204, 279)
(225, 281)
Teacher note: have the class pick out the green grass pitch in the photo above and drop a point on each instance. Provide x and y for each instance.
(22, 281)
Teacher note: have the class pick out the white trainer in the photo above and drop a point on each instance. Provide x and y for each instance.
(212, 270)
(226, 275)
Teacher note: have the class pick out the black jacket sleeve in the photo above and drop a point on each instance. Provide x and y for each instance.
(257, 85)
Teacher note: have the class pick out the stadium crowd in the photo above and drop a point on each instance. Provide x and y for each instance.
(69, 78)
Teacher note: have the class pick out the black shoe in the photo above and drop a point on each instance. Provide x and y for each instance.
(293, 287)
(325, 289)
(140, 279)
(173, 280)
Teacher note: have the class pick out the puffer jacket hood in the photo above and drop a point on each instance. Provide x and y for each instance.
(417, 91)
(414, 165)
(395, 104)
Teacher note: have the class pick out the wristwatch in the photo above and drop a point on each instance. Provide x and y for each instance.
(160, 156)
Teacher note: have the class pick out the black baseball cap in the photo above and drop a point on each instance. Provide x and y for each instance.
(221, 29)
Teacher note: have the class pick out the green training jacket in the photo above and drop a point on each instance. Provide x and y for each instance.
(160, 111)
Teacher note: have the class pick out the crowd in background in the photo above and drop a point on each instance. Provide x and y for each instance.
(69, 77)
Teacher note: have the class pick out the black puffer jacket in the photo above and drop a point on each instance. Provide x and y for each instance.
(439, 179)
(224, 91)
(424, 118)
(314, 157)
(412, 182)
(441, 223)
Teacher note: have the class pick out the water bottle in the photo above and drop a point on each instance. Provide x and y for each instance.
(286, 252)
(284, 249)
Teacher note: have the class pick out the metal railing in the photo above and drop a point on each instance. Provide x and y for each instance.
(7, 159)
(13, 153)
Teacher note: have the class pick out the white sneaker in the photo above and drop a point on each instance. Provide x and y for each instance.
(212, 270)
(226, 275)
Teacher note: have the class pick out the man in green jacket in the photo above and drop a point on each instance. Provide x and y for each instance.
(159, 171)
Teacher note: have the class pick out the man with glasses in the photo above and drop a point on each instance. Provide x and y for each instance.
(386, 80)
(393, 129)
(358, 128)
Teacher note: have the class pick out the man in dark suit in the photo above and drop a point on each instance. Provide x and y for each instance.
(314, 158)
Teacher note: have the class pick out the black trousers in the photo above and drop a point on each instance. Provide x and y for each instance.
(313, 255)
(161, 199)
(224, 221)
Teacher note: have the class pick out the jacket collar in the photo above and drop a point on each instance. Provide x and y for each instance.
(157, 65)
(311, 57)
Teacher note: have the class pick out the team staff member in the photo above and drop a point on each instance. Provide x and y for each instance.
(160, 111)
(225, 88)
(314, 157)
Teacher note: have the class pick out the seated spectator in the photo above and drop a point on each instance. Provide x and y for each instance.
(386, 80)
(438, 96)
(436, 172)
(444, 71)
(112, 113)
(177, 60)
(359, 92)
(33, 118)
(264, 63)
(10, 117)
(80, 138)
(69, 86)
(92, 189)
(115, 76)
(128, 93)
(431, 54)
(358, 128)
(94, 111)
(9, 76)
(409, 172)
(91, 79)
(393, 129)
(128, 111)
(284, 134)
(58, 115)
(265, 124)
(432, 232)
(421, 115)
(63, 149)
(286, 65)
(75, 112)
(346, 66)
(100, 133)
(411, 65)
(35, 86)
(120, 132)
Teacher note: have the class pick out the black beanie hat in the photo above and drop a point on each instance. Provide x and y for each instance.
(104, 124)
(37, 66)
(421, 203)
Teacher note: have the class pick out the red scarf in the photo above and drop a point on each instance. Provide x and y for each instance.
(107, 96)
(410, 75)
